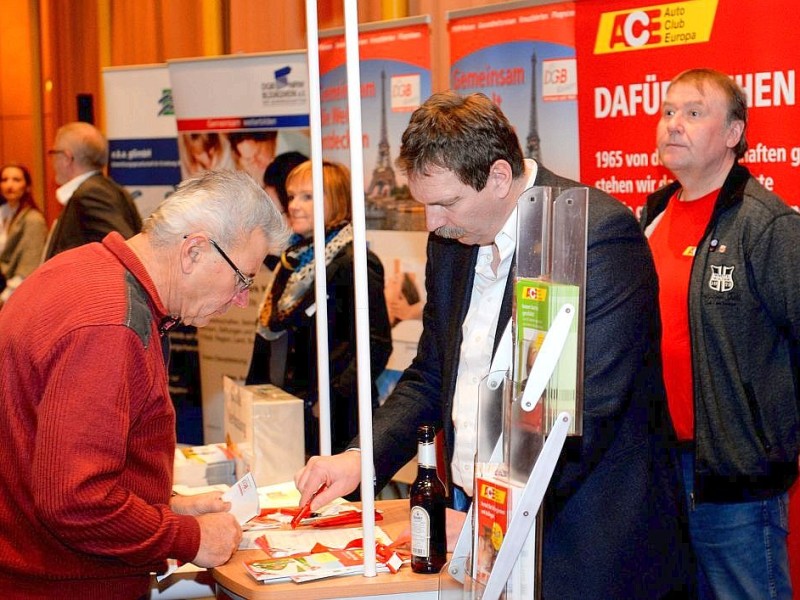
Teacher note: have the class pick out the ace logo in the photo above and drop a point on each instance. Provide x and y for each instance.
(655, 26)
(636, 29)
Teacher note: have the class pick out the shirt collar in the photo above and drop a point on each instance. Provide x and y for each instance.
(533, 166)
(64, 193)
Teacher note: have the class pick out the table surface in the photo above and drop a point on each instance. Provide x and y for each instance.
(233, 576)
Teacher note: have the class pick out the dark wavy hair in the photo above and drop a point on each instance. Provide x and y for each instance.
(463, 134)
(277, 172)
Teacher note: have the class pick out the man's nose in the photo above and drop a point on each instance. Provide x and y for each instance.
(674, 124)
(433, 218)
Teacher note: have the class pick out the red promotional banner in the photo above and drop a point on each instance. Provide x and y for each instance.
(628, 52)
(395, 79)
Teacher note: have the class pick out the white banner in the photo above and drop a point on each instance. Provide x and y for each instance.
(236, 112)
(141, 131)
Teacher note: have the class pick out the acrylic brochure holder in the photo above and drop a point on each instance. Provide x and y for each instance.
(530, 402)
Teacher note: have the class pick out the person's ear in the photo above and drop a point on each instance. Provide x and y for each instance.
(501, 177)
(191, 251)
(735, 133)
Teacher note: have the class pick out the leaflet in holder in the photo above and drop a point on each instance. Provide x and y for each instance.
(548, 312)
(549, 354)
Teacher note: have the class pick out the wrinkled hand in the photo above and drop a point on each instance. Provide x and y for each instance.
(220, 535)
(200, 504)
(341, 473)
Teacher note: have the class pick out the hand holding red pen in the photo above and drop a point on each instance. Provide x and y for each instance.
(340, 473)
(305, 509)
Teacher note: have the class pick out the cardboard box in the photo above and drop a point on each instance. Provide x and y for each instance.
(264, 426)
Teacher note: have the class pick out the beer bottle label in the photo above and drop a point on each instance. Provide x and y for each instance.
(426, 455)
(420, 532)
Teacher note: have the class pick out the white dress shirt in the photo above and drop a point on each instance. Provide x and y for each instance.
(64, 193)
(478, 330)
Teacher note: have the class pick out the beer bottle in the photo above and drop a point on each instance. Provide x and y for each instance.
(428, 534)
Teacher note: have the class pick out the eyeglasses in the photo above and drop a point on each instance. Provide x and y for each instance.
(244, 283)
(54, 151)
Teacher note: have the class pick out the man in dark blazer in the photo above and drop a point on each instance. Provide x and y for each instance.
(94, 204)
(613, 526)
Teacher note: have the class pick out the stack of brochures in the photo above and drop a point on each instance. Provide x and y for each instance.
(311, 566)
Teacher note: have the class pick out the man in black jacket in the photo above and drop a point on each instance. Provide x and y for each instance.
(94, 204)
(612, 511)
(727, 254)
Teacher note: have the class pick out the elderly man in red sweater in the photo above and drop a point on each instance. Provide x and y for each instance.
(88, 425)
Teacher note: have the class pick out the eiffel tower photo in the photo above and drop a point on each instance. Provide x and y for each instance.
(383, 181)
(533, 148)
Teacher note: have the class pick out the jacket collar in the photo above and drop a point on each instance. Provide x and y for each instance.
(731, 194)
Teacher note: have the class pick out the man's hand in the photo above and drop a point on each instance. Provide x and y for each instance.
(454, 522)
(220, 535)
(200, 504)
(341, 473)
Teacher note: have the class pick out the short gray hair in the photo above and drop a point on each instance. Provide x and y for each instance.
(229, 205)
(87, 143)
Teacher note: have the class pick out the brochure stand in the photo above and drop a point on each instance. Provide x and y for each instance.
(524, 419)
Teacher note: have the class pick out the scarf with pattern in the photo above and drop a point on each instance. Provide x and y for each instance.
(293, 279)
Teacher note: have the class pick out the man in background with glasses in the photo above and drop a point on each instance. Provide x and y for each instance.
(94, 204)
(86, 467)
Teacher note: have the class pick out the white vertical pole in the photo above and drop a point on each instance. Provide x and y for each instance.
(320, 272)
(360, 275)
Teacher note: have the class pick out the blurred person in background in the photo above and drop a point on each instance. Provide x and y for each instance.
(94, 204)
(287, 316)
(275, 185)
(275, 177)
(22, 229)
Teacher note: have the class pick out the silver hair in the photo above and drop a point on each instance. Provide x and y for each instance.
(87, 143)
(229, 205)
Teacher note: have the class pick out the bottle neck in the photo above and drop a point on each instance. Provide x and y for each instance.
(426, 455)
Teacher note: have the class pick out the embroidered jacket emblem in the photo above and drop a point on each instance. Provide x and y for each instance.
(721, 278)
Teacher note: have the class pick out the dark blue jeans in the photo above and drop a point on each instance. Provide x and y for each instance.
(740, 546)
(460, 499)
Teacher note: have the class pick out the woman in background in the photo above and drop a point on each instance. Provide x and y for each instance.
(24, 231)
(275, 177)
(287, 316)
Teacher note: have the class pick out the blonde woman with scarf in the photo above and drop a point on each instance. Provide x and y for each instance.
(285, 348)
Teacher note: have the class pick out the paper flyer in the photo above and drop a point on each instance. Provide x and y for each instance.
(243, 496)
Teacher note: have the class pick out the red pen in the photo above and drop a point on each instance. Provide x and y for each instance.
(306, 509)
